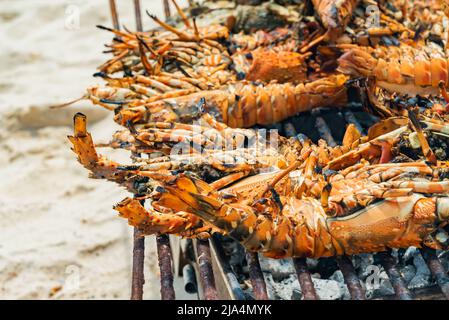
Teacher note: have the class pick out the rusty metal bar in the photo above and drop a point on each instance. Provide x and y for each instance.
(165, 265)
(138, 278)
(351, 279)
(138, 15)
(305, 279)
(114, 14)
(437, 270)
(166, 9)
(398, 283)
(256, 276)
(206, 273)
(350, 118)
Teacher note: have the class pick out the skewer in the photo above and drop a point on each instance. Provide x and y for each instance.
(138, 278)
(351, 279)
(165, 265)
(166, 9)
(256, 276)
(138, 15)
(114, 14)
(305, 279)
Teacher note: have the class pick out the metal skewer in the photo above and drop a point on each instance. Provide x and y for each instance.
(138, 278)
(166, 9)
(114, 14)
(138, 15)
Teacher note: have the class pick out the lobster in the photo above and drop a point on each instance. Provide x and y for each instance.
(404, 69)
(241, 104)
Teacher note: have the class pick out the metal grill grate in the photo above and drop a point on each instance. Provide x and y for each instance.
(218, 279)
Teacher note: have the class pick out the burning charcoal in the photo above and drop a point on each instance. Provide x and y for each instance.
(338, 277)
(409, 255)
(330, 289)
(379, 286)
(296, 295)
(312, 263)
(326, 267)
(444, 258)
(408, 273)
(423, 276)
(279, 268)
(281, 290)
(362, 264)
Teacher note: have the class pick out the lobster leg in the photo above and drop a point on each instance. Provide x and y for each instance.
(83, 146)
(153, 222)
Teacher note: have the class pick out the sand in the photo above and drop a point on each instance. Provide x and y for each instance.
(59, 237)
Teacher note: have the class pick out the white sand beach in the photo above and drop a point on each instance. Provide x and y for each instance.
(59, 236)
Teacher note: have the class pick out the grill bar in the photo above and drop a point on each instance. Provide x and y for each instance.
(138, 278)
(437, 270)
(256, 276)
(206, 272)
(305, 279)
(350, 118)
(114, 14)
(351, 279)
(164, 255)
(325, 132)
(398, 283)
(138, 15)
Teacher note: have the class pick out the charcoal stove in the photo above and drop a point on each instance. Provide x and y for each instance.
(210, 271)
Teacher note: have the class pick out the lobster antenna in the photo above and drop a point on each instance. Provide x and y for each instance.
(138, 15)
(443, 91)
(114, 14)
(168, 27)
(313, 43)
(66, 104)
(279, 176)
(146, 64)
(195, 28)
(427, 151)
(182, 14)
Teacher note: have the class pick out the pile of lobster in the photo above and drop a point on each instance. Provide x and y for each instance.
(188, 93)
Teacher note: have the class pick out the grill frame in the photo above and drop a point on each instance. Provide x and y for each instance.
(218, 280)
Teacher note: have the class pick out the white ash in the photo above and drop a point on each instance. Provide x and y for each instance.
(279, 268)
(282, 282)
(408, 272)
(379, 287)
(288, 288)
(444, 258)
(362, 264)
